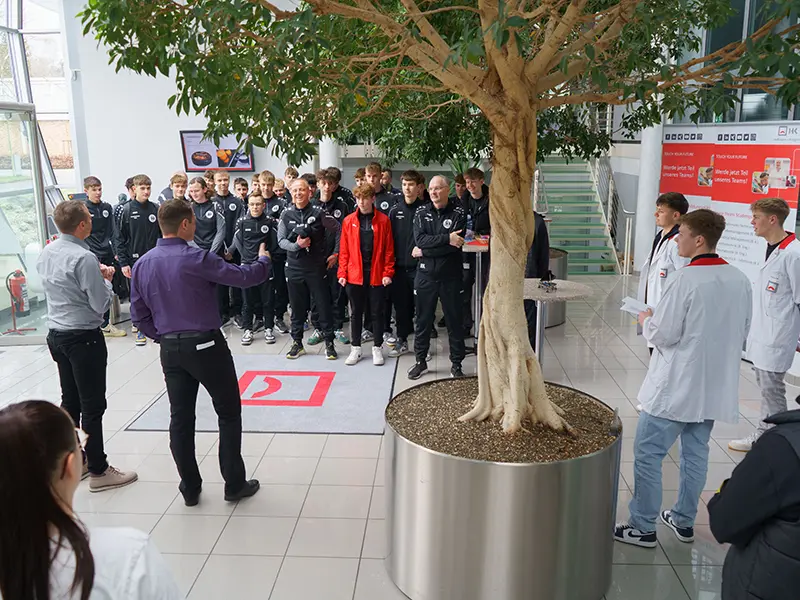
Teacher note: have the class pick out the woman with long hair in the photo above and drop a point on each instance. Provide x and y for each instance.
(46, 553)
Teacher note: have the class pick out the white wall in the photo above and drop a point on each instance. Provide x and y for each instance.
(124, 123)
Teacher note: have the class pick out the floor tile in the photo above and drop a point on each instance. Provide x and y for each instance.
(701, 582)
(185, 568)
(377, 507)
(188, 534)
(212, 502)
(380, 473)
(375, 539)
(141, 497)
(328, 537)
(337, 501)
(704, 551)
(134, 442)
(346, 471)
(374, 584)
(352, 446)
(256, 536)
(316, 578)
(144, 523)
(235, 577)
(296, 471)
(158, 467)
(296, 445)
(640, 582)
(274, 500)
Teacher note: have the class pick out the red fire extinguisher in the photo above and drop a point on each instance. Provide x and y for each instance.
(17, 287)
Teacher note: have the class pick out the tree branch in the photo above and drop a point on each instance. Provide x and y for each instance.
(536, 68)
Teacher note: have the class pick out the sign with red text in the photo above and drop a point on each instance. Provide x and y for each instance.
(727, 167)
(285, 388)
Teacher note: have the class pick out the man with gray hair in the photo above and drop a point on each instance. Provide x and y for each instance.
(438, 235)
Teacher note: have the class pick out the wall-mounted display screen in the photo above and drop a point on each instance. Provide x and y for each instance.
(201, 154)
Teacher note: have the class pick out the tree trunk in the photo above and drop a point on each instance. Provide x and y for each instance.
(510, 383)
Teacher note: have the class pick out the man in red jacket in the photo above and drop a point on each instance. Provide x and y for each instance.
(366, 268)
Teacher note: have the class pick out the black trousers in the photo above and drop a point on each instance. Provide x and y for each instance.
(402, 292)
(280, 290)
(305, 288)
(338, 302)
(259, 300)
(386, 300)
(187, 363)
(82, 356)
(359, 294)
(230, 298)
(530, 316)
(428, 291)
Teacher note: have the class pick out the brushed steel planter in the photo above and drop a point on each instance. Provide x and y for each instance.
(462, 529)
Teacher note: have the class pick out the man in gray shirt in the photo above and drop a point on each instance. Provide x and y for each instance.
(78, 291)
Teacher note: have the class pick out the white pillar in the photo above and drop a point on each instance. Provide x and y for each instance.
(71, 34)
(329, 154)
(649, 178)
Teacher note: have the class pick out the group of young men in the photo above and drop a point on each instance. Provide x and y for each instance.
(299, 219)
(703, 313)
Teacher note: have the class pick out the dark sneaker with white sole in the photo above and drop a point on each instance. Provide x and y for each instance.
(456, 372)
(296, 351)
(281, 326)
(330, 351)
(626, 534)
(684, 534)
(418, 370)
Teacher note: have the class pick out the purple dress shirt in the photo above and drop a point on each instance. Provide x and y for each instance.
(174, 287)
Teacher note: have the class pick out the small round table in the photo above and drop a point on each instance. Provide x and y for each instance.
(477, 247)
(565, 290)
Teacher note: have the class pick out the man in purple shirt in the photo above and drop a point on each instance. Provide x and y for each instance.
(173, 301)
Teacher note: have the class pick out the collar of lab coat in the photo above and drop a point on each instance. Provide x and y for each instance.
(790, 237)
(706, 260)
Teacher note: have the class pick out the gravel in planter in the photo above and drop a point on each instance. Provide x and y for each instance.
(428, 415)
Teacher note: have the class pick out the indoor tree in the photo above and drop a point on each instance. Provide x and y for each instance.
(423, 77)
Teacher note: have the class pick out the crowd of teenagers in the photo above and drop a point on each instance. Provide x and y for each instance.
(377, 256)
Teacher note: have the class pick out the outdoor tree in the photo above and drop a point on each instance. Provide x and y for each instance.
(436, 77)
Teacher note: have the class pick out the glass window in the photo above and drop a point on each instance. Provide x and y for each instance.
(730, 31)
(4, 13)
(760, 106)
(8, 71)
(58, 142)
(46, 68)
(40, 14)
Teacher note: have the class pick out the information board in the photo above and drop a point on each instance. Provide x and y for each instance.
(201, 154)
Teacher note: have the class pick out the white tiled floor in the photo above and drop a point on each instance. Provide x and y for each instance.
(316, 529)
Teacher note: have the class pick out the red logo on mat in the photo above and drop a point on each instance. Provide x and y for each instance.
(285, 388)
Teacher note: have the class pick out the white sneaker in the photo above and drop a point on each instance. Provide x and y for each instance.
(269, 336)
(354, 357)
(112, 332)
(377, 356)
(134, 329)
(745, 444)
(247, 337)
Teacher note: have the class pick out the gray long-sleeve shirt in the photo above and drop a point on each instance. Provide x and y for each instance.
(77, 295)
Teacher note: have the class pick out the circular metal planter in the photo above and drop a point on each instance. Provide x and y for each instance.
(462, 529)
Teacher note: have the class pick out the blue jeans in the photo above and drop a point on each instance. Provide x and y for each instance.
(654, 437)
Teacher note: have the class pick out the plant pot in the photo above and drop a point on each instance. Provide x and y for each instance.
(462, 529)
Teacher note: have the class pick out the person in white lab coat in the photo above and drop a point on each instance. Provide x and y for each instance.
(664, 259)
(45, 551)
(776, 312)
(698, 330)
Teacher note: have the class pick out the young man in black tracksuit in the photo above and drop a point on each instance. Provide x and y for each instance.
(302, 232)
(252, 230)
(336, 207)
(401, 217)
(209, 232)
(120, 282)
(274, 207)
(438, 234)
(476, 206)
(138, 232)
(232, 209)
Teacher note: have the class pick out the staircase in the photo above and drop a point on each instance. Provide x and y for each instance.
(569, 196)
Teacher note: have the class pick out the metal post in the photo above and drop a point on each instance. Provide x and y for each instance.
(541, 318)
(627, 253)
(477, 311)
(536, 190)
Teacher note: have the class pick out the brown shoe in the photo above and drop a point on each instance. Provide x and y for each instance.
(111, 480)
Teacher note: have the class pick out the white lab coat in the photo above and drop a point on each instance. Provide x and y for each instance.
(698, 330)
(776, 309)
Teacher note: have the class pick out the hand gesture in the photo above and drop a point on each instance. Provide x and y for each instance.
(645, 315)
(386, 281)
(228, 256)
(304, 242)
(332, 259)
(342, 281)
(107, 272)
(455, 239)
(127, 272)
(416, 252)
(262, 250)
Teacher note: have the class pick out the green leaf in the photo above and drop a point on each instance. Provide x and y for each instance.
(516, 21)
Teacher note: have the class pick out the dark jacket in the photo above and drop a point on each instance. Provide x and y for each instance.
(209, 231)
(273, 208)
(311, 222)
(385, 200)
(139, 231)
(757, 511)
(478, 209)
(232, 209)
(100, 240)
(402, 217)
(538, 263)
(337, 208)
(251, 232)
(432, 228)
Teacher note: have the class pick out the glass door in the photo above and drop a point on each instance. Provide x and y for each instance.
(23, 228)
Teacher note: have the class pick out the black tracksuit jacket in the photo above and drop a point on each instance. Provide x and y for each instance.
(432, 228)
(139, 231)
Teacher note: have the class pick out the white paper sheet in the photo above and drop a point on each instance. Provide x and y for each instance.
(633, 306)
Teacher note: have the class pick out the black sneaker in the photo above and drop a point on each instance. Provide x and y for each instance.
(330, 351)
(258, 325)
(456, 372)
(628, 535)
(418, 370)
(280, 325)
(249, 489)
(238, 321)
(434, 333)
(296, 351)
(684, 534)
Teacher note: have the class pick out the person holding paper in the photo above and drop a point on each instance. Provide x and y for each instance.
(664, 259)
(698, 329)
(776, 312)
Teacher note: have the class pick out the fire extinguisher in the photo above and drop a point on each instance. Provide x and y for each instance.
(17, 287)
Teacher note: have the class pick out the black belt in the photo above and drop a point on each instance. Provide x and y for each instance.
(188, 335)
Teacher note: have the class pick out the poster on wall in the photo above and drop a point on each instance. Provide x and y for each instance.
(201, 154)
(727, 167)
